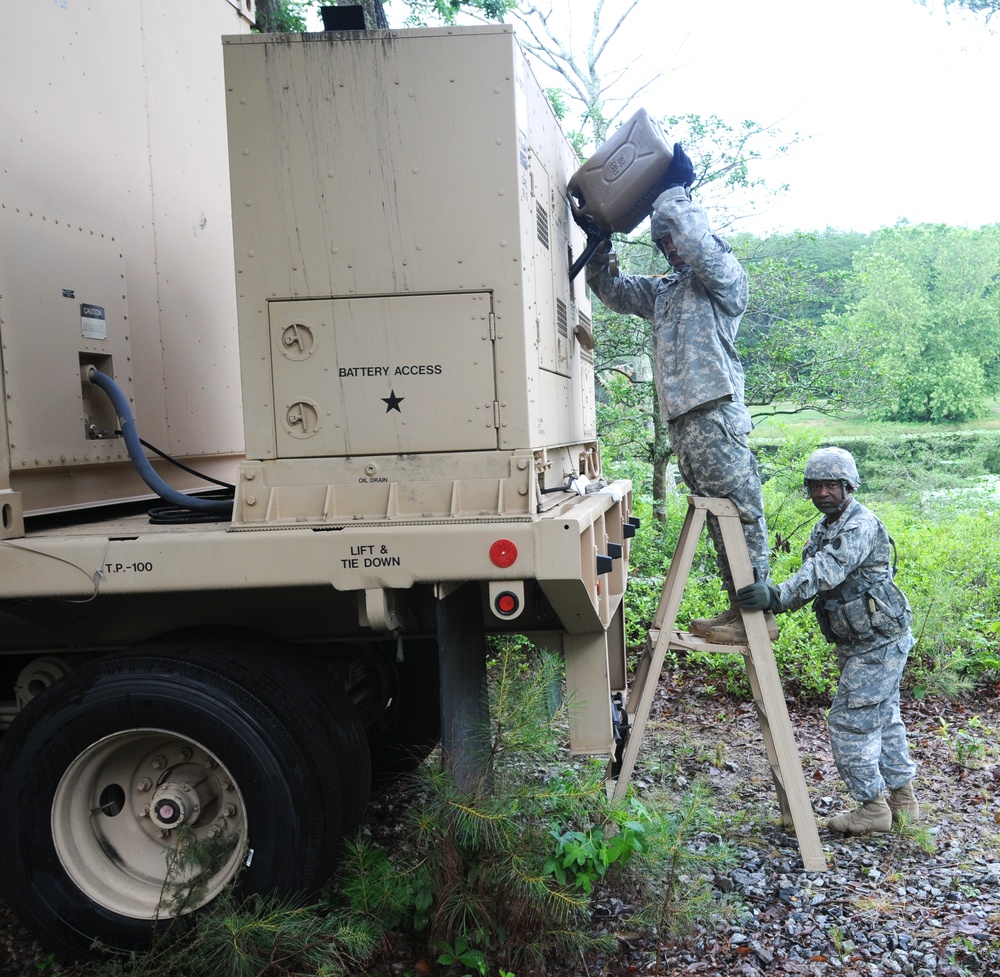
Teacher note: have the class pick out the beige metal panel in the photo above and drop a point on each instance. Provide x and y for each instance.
(120, 127)
(379, 163)
(369, 167)
(384, 488)
(589, 708)
(555, 418)
(388, 374)
(586, 392)
(400, 162)
(74, 315)
(192, 225)
(135, 558)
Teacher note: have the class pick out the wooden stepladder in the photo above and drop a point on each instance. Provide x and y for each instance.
(765, 683)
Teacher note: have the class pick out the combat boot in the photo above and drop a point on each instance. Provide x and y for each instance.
(902, 801)
(734, 632)
(700, 626)
(872, 816)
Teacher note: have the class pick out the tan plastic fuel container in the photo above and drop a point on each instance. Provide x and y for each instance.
(616, 187)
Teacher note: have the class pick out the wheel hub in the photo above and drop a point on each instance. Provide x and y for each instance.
(175, 804)
(117, 817)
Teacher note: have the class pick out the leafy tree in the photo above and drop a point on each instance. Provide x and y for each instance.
(281, 16)
(422, 12)
(927, 304)
(277, 16)
(987, 7)
(790, 362)
(550, 38)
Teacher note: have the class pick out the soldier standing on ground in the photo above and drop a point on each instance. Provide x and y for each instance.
(696, 310)
(847, 571)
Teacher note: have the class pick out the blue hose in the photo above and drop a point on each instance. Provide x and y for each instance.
(139, 460)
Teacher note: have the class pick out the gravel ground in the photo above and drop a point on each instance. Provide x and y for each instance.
(884, 907)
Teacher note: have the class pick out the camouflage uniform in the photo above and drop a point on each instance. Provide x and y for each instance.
(847, 573)
(695, 312)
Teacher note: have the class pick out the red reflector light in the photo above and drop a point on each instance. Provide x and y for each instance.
(503, 553)
(506, 603)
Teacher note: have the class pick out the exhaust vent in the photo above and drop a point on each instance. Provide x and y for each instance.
(542, 223)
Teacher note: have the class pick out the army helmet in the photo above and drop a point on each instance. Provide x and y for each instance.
(832, 465)
(659, 227)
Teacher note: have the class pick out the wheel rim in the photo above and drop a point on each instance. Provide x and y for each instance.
(142, 804)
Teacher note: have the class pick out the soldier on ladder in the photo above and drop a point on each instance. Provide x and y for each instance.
(696, 311)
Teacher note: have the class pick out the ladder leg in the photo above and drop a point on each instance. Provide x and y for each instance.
(651, 663)
(770, 696)
(769, 748)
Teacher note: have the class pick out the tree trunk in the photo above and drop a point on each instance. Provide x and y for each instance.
(267, 16)
(663, 479)
(374, 13)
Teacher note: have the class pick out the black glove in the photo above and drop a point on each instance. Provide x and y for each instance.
(759, 597)
(680, 173)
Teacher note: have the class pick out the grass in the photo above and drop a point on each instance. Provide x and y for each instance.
(772, 419)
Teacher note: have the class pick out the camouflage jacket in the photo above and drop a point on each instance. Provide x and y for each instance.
(847, 571)
(695, 311)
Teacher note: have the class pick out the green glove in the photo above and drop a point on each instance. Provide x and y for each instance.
(759, 597)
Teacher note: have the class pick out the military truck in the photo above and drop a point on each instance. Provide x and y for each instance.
(297, 408)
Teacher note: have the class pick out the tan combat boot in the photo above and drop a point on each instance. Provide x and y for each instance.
(700, 626)
(733, 631)
(872, 816)
(902, 801)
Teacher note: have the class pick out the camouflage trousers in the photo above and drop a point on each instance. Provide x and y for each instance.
(715, 462)
(867, 734)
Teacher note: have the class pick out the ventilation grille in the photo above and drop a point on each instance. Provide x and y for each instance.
(562, 320)
(542, 222)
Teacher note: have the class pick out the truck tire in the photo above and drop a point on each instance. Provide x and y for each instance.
(298, 686)
(107, 769)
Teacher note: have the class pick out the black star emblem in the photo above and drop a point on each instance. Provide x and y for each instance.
(393, 402)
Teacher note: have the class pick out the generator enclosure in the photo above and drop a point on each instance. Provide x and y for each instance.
(402, 234)
(115, 248)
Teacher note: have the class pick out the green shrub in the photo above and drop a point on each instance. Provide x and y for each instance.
(504, 879)
(948, 545)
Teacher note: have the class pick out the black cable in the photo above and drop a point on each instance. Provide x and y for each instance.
(175, 515)
(180, 464)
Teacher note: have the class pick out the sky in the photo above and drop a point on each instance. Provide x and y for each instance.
(893, 101)
(893, 104)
